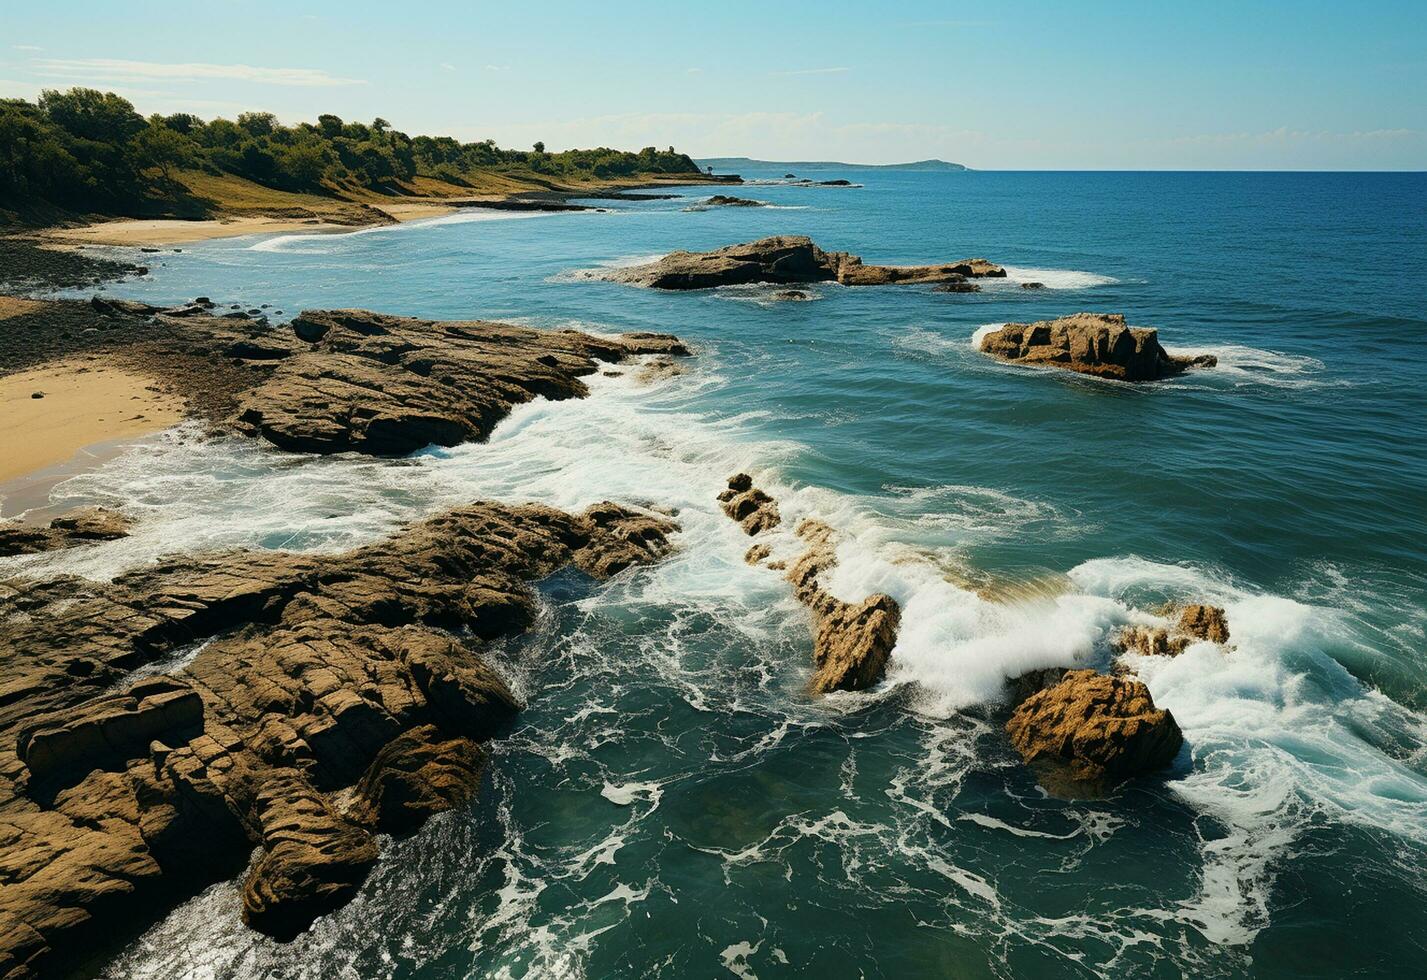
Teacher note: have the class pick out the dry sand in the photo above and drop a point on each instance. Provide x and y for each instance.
(176, 231)
(86, 401)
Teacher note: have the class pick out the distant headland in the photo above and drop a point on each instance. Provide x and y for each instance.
(734, 163)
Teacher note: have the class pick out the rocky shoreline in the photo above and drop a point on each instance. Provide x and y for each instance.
(322, 699)
(159, 730)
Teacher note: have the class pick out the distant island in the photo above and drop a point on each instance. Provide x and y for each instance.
(734, 163)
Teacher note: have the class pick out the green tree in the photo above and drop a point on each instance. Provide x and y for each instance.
(92, 115)
(163, 149)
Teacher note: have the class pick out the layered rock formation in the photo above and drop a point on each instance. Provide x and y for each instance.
(75, 527)
(155, 729)
(1088, 731)
(1196, 624)
(851, 641)
(786, 259)
(351, 380)
(1090, 343)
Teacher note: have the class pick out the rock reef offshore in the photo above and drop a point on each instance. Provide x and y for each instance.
(786, 260)
(1090, 343)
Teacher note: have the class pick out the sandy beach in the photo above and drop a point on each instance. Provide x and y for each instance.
(85, 401)
(156, 232)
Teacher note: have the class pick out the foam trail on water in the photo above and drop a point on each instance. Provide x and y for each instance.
(334, 240)
(1057, 278)
(1278, 732)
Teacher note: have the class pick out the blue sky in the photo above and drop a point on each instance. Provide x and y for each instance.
(1209, 85)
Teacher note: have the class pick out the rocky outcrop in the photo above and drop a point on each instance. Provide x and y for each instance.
(69, 529)
(387, 386)
(350, 380)
(852, 642)
(296, 703)
(418, 774)
(1090, 343)
(792, 295)
(786, 259)
(1089, 731)
(726, 201)
(754, 510)
(1196, 624)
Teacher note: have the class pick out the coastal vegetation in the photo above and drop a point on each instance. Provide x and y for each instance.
(88, 151)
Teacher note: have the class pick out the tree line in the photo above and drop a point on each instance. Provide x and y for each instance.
(90, 150)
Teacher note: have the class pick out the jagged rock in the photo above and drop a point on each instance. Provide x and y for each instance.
(313, 860)
(1091, 343)
(120, 726)
(288, 677)
(71, 528)
(794, 295)
(417, 775)
(1196, 623)
(1032, 285)
(852, 642)
(1091, 730)
(388, 386)
(754, 510)
(787, 259)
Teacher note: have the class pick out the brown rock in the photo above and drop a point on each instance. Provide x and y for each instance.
(754, 510)
(417, 775)
(1205, 623)
(1196, 623)
(120, 796)
(788, 259)
(71, 528)
(313, 860)
(388, 386)
(1092, 730)
(1090, 343)
(851, 641)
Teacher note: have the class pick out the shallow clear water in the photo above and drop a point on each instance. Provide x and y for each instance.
(672, 804)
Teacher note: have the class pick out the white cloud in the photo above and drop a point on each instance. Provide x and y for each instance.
(112, 68)
(497, 67)
(812, 71)
(448, 66)
(27, 47)
(694, 71)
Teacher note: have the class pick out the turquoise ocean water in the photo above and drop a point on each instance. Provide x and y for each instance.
(672, 804)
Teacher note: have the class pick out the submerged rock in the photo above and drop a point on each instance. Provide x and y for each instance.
(727, 201)
(788, 259)
(1090, 731)
(794, 295)
(958, 285)
(293, 683)
(1091, 343)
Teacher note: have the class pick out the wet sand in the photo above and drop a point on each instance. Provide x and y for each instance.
(85, 402)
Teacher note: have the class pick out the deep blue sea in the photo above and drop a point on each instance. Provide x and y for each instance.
(672, 804)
